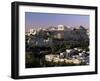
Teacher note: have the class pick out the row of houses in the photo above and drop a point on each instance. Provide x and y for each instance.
(35, 30)
(70, 57)
(47, 37)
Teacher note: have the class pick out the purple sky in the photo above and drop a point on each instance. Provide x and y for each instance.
(44, 20)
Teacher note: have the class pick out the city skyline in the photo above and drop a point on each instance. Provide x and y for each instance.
(45, 20)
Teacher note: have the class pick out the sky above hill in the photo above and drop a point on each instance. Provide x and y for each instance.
(45, 20)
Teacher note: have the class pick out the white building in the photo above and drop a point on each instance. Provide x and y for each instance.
(33, 31)
(62, 27)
